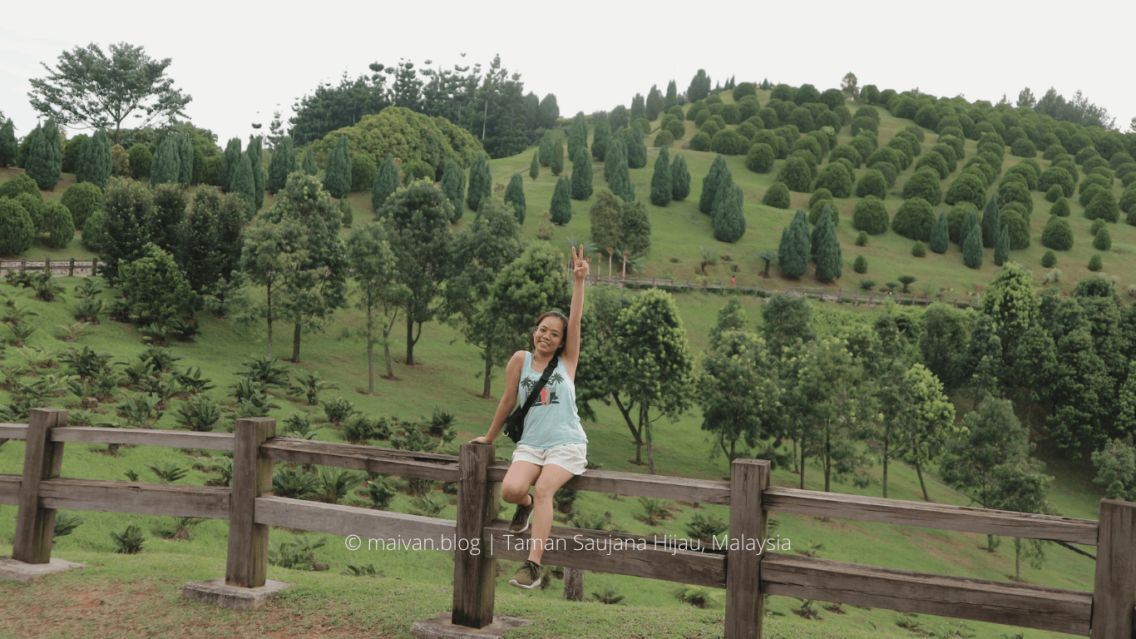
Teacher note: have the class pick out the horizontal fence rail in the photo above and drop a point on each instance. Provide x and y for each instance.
(69, 267)
(250, 508)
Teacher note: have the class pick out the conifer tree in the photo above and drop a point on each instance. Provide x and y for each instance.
(620, 182)
(829, 261)
(581, 174)
(680, 179)
(166, 166)
(661, 188)
(972, 248)
(616, 154)
(968, 224)
(793, 252)
(16, 228)
(308, 166)
(534, 166)
(940, 234)
(54, 150)
(94, 163)
(230, 159)
(558, 158)
(636, 148)
(386, 182)
(547, 148)
(453, 185)
(256, 158)
(515, 195)
(480, 182)
(578, 137)
(244, 184)
(710, 184)
(561, 207)
(671, 98)
(991, 223)
(283, 162)
(337, 174)
(601, 136)
(1002, 247)
(38, 165)
(725, 190)
(185, 159)
(8, 146)
(729, 218)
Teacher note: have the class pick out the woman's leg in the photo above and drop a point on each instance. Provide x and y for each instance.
(551, 478)
(515, 486)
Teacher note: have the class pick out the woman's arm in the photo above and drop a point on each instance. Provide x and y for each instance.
(571, 354)
(508, 398)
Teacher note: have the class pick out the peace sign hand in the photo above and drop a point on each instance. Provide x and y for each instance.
(579, 264)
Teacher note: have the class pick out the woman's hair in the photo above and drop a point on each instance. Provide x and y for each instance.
(564, 337)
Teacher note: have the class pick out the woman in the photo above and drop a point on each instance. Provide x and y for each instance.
(553, 448)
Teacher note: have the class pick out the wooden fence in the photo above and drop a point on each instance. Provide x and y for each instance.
(825, 294)
(71, 267)
(745, 574)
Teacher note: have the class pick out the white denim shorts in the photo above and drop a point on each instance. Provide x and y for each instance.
(570, 457)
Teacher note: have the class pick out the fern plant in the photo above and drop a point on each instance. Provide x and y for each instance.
(294, 483)
(73, 332)
(130, 541)
(298, 425)
(427, 505)
(608, 596)
(167, 472)
(309, 385)
(336, 483)
(199, 414)
(362, 571)
(66, 523)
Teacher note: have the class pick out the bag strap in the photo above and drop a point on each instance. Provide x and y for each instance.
(539, 385)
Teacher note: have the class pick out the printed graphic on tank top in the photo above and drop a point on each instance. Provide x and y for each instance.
(552, 420)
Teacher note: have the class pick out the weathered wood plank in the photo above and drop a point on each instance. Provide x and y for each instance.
(618, 553)
(13, 431)
(637, 485)
(941, 516)
(367, 524)
(138, 498)
(744, 604)
(389, 461)
(141, 437)
(10, 490)
(475, 572)
(1051, 609)
(43, 459)
(246, 565)
(1115, 586)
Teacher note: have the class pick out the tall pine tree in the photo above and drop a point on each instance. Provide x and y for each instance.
(547, 148)
(283, 163)
(386, 183)
(561, 207)
(40, 165)
(671, 98)
(710, 184)
(337, 174)
(515, 195)
(661, 189)
(680, 179)
(1002, 246)
(256, 158)
(243, 184)
(8, 146)
(829, 261)
(793, 253)
(729, 217)
(991, 223)
(636, 148)
(534, 166)
(166, 166)
(230, 159)
(972, 248)
(968, 224)
(601, 135)
(54, 149)
(558, 158)
(453, 185)
(581, 174)
(480, 182)
(620, 182)
(308, 166)
(578, 137)
(616, 154)
(95, 163)
(940, 234)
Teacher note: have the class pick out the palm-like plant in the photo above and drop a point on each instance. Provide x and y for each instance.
(653, 510)
(129, 541)
(709, 258)
(73, 332)
(427, 505)
(224, 466)
(159, 360)
(192, 382)
(139, 411)
(299, 426)
(294, 483)
(265, 371)
(21, 331)
(45, 288)
(298, 554)
(199, 414)
(608, 596)
(362, 571)
(309, 384)
(15, 313)
(36, 358)
(336, 483)
(769, 257)
(88, 288)
(167, 472)
(906, 280)
(89, 309)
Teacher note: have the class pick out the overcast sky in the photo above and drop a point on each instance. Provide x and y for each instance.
(242, 60)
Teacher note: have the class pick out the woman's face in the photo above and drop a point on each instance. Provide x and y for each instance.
(549, 335)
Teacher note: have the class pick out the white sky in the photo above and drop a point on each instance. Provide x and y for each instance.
(242, 60)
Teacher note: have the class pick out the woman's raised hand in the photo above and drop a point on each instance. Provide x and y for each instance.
(579, 264)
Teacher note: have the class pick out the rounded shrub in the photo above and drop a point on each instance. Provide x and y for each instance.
(837, 179)
(967, 187)
(914, 219)
(748, 108)
(864, 124)
(867, 111)
(887, 169)
(948, 153)
(927, 117)
(777, 196)
(886, 155)
(16, 228)
(1098, 224)
(644, 125)
(710, 127)
(924, 184)
(700, 142)
(1018, 226)
(1084, 154)
(57, 225)
(769, 117)
(676, 111)
(903, 147)
(847, 152)
(413, 170)
(919, 249)
(1119, 159)
(677, 129)
(1127, 202)
(664, 138)
(20, 184)
(870, 216)
(747, 130)
(830, 119)
(1049, 258)
(731, 113)
(955, 218)
(82, 199)
(1058, 235)
(1095, 263)
(935, 160)
(1103, 206)
(1094, 162)
(94, 231)
(1070, 168)
(760, 158)
(1060, 208)
(1054, 192)
(1102, 241)
(1094, 179)
(1052, 151)
(140, 160)
(860, 265)
(33, 205)
(715, 107)
(1059, 177)
(796, 174)
(1016, 192)
(873, 183)
(810, 144)
(817, 209)
(912, 142)
(701, 116)
(729, 142)
(818, 195)
(861, 239)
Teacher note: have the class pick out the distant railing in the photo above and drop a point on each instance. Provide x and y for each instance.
(71, 267)
(744, 573)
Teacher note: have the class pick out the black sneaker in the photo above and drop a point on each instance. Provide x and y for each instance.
(527, 577)
(521, 518)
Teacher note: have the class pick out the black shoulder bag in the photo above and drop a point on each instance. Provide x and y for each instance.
(515, 423)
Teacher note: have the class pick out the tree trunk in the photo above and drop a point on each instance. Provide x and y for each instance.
(827, 464)
(919, 471)
(387, 355)
(370, 356)
(409, 339)
(573, 584)
(645, 424)
(796, 466)
(269, 321)
(488, 370)
(802, 463)
(636, 433)
(885, 474)
(296, 344)
(1017, 560)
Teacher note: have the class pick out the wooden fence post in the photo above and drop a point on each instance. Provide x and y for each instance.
(247, 564)
(1115, 589)
(23, 264)
(94, 266)
(475, 572)
(43, 459)
(71, 268)
(745, 606)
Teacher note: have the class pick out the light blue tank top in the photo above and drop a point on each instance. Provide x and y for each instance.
(552, 419)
